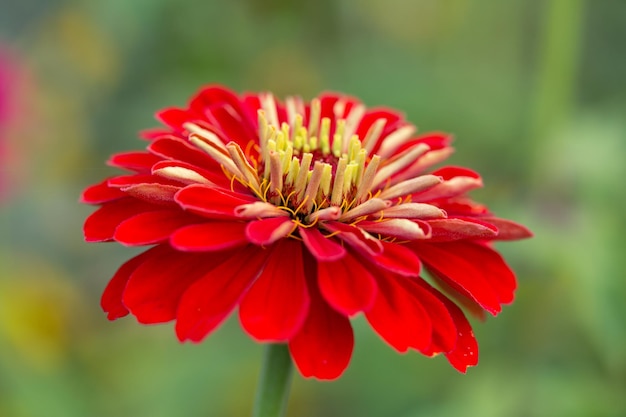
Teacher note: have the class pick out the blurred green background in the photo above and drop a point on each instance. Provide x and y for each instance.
(532, 90)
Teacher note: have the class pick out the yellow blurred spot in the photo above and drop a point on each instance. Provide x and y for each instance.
(38, 309)
(86, 47)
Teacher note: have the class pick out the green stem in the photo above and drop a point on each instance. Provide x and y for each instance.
(274, 383)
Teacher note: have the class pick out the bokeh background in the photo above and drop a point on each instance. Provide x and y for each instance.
(532, 90)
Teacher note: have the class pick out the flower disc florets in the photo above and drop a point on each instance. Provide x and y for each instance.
(302, 215)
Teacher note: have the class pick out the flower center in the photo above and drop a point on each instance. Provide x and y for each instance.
(303, 169)
(322, 171)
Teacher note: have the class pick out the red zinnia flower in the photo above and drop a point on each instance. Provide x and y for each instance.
(303, 215)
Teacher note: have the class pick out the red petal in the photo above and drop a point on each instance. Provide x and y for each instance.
(450, 172)
(457, 181)
(155, 288)
(154, 133)
(111, 300)
(399, 259)
(434, 140)
(217, 178)
(398, 317)
(269, 230)
(173, 148)
(210, 201)
(443, 230)
(444, 329)
(125, 181)
(461, 207)
(346, 285)
(459, 272)
(154, 193)
(209, 300)
(233, 125)
(508, 230)
(356, 238)
(101, 224)
(465, 353)
(492, 267)
(235, 119)
(276, 305)
(148, 187)
(210, 236)
(174, 117)
(323, 248)
(134, 161)
(100, 193)
(151, 227)
(392, 117)
(323, 346)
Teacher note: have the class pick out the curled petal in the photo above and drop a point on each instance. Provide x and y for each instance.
(328, 213)
(126, 181)
(411, 186)
(395, 140)
(429, 159)
(355, 237)
(150, 187)
(397, 164)
(323, 248)
(154, 193)
(457, 181)
(508, 230)
(268, 231)
(454, 229)
(276, 305)
(183, 173)
(370, 206)
(400, 228)
(175, 149)
(259, 209)
(412, 211)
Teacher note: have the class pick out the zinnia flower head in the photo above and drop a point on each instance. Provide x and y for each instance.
(302, 215)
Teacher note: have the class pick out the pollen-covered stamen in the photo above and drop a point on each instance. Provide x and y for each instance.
(249, 173)
(304, 169)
